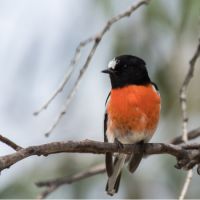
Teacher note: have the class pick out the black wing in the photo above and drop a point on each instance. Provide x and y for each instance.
(108, 155)
(156, 87)
(107, 98)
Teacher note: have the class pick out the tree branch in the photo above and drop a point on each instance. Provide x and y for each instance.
(55, 183)
(96, 41)
(67, 76)
(183, 102)
(186, 184)
(10, 143)
(190, 135)
(183, 90)
(187, 155)
(89, 146)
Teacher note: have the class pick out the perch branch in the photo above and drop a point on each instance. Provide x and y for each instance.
(89, 146)
(54, 184)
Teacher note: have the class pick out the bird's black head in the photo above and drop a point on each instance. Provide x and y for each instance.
(127, 70)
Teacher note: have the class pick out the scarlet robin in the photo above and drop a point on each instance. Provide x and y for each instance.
(132, 113)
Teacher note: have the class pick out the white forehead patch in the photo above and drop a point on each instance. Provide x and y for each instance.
(112, 64)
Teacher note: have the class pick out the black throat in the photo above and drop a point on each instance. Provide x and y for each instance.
(119, 82)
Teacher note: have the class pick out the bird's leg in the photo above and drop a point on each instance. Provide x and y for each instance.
(119, 144)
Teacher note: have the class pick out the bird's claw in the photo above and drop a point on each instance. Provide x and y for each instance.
(119, 144)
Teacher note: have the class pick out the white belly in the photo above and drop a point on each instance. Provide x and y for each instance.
(129, 138)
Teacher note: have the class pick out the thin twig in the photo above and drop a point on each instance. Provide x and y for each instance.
(190, 135)
(183, 90)
(97, 39)
(10, 143)
(67, 76)
(186, 184)
(52, 185)
(97, 169)
(47, 192)
(183, 101)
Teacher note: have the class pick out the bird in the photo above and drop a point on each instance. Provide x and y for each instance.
(132, 114)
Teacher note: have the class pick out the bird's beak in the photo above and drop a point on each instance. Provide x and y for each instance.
(108, 71)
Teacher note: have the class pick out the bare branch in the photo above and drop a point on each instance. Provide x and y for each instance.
(190, 135)
(10, 143)
(183, 101)
(187, 155)
(67, 76)
(97, 39)
(55, 183)
(97, 169)
(184, 155)
(186, 184)
(47, 192)
(190, 146)
(183, 96)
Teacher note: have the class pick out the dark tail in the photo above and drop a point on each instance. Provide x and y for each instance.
(135, 159)
(116, 187)
(113, 183)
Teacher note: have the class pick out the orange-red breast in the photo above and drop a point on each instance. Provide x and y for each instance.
(132, 113)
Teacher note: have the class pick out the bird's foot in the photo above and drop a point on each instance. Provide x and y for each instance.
(119, 144)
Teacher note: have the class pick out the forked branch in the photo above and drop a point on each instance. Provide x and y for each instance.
(96, 39)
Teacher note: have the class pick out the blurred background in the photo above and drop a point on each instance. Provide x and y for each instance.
(37, 42)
